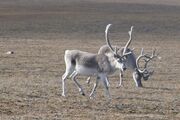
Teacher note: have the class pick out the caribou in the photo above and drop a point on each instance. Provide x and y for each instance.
(138, 74)
(89, 64)
(131, 62)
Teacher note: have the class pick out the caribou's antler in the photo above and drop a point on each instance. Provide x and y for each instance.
(116, 50)
(107, 39)
(129, 41)
(147, 58)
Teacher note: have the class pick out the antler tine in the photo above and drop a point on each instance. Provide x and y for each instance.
(107, 39)
(129, 41)
(137, 61)
(150, 58)
(142, 51)
(130, 32)
(133, 49)
(153, 54)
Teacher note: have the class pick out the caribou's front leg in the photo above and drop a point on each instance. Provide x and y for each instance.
(104, 79)
(137, 79)
(74, 74)
(106, 82)
(88, 80)
(120, 79)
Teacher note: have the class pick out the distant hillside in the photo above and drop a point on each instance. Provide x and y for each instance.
(60, 2)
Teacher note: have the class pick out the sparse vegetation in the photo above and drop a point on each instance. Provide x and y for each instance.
(38, 34)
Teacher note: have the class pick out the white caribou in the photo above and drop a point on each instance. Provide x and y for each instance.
(88, 64)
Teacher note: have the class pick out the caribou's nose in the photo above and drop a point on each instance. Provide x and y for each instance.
(124, 68)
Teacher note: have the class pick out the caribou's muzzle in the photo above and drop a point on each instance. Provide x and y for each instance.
(124, 68)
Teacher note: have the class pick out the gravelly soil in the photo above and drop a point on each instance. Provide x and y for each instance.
(39, 34)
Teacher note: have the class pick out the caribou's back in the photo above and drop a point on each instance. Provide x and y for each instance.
(88, 63)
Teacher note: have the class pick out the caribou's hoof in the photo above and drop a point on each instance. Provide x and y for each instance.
(120, 85)
(63, 95)
(83, 94)
(91, 97)
(140, 86)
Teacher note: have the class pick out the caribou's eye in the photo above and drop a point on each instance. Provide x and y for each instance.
(123, 59)
(116, 56)
(119, 60)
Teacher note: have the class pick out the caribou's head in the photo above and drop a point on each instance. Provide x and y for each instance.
(145, 73)
(119, 58)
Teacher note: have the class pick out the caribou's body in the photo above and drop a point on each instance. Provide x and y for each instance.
(99, 65)
(88, 64)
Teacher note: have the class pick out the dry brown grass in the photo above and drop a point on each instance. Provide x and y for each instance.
(31, 78)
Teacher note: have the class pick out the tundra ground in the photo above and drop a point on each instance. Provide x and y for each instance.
(39, 33)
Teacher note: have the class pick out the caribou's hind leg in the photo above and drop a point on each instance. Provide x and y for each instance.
(74, 74)
(64, 77)
(68, 72)
(92, 94)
